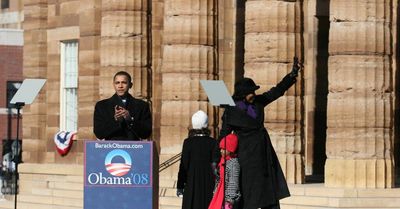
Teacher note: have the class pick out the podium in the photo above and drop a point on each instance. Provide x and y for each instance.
(120, 175)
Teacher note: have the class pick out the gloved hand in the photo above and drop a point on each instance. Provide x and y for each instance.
(215, 170)
(296, 67)
(179, 192)
(228, 205)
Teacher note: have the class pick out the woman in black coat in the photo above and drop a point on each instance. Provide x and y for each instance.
(262, 181)
(195, 177)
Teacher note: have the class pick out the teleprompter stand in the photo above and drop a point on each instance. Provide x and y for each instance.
(25, 95)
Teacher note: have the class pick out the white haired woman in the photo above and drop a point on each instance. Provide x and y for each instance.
(195, 177)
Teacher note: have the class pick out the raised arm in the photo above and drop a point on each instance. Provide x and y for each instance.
(277, 91)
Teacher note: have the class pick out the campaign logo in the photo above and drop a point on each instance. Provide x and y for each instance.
(118, 162)
(115, 167)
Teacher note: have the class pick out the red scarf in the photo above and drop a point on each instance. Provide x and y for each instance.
(217, 200)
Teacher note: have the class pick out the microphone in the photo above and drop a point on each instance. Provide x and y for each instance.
(123, 101)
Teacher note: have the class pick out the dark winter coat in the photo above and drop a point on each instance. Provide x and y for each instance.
(195, 174)
(105, 126)
(262, 179)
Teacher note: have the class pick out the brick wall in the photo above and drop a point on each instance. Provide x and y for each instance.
(10, 70)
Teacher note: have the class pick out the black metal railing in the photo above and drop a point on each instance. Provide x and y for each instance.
(174, 159)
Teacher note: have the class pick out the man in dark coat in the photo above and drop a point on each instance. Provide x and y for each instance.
(262, 181)
(122, 117)
(195, 177)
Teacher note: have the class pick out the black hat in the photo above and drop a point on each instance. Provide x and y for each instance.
(245, 86)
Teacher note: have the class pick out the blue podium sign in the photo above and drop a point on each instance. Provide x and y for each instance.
(118, 175)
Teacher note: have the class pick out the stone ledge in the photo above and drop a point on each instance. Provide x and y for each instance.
(53, 169)
(317, 195)
(319, 190)
(313, 196)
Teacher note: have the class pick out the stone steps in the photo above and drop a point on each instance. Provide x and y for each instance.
(309, 196)
(316, 195)
(167, 191)
(305, 196)
(169, 207)
(170, 201)
(6, 204)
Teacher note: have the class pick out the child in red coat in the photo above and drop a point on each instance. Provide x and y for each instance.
(228, 147)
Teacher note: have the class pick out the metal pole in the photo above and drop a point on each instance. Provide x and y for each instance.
(19, 105)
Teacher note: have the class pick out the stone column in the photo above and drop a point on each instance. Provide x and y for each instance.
(272, 39)
(231, 21)
(360, 100)
(188, 53)
(156, 37)
(124, 45)
(35, 66)
(89, 65)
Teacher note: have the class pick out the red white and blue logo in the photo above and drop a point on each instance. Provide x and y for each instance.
(118, 162)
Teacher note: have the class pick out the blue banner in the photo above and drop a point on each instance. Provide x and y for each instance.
(118, 175)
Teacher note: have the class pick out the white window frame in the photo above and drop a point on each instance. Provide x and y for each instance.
(69, 86)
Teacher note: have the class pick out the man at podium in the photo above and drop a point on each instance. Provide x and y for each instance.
(122, 117)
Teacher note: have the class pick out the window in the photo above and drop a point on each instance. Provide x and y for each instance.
(5, 4)
(69, 86)
(12, 88)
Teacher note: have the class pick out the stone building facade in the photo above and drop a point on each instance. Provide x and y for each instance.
(338, 124)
